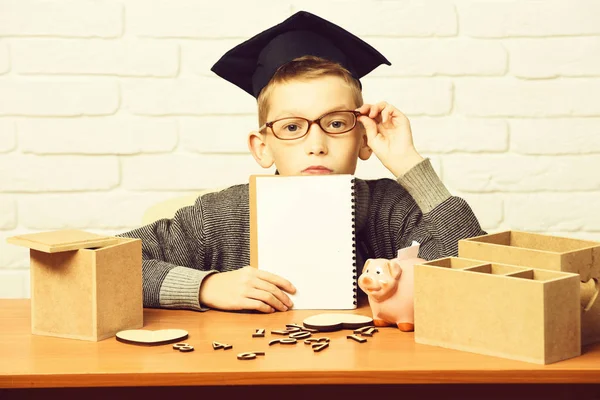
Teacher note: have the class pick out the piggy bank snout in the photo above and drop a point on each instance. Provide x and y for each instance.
(365, 279)
(367, 282)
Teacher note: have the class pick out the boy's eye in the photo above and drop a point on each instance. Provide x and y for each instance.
(337, 124)
(291, 127)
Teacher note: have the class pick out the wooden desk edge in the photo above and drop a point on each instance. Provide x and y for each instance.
(299, 378)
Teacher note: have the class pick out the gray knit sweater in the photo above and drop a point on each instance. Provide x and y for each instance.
(213, 235)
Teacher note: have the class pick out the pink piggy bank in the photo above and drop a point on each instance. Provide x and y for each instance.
(390, 287)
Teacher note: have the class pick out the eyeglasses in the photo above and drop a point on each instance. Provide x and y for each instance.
(333, 123)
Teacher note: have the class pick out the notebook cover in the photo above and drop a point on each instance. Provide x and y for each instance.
(339, 277)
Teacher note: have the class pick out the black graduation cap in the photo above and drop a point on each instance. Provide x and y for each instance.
(251, 64)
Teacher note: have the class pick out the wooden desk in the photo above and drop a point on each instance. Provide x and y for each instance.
(388, 362)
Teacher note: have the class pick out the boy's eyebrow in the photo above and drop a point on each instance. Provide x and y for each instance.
(289, 113)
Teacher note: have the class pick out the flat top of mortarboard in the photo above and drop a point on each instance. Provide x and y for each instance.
(251, 64)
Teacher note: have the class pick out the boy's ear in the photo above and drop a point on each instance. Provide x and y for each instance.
(259, 149)
(365, 151)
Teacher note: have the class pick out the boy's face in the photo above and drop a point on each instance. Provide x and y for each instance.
(317, 152)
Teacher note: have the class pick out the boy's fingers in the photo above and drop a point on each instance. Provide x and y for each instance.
(370, 127)
(252, 304)
(387, 113)
(377, 109)
(374, 111)
(266, 297)
(364, 108)
(278, 293)
(277, 281)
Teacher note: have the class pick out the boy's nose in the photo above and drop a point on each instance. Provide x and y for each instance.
(316, 140)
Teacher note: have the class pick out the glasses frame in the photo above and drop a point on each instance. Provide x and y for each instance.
(310, 122)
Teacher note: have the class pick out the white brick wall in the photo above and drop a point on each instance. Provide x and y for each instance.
(529, 18)
(4, 61)
(65, 18)
(115, 135)
(95, 57)
(105, 107)
(65, 98)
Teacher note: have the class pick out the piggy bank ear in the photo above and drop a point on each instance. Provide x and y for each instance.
(395, 269)
(366, 265)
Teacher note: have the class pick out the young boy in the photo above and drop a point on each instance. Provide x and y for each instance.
(305, 75)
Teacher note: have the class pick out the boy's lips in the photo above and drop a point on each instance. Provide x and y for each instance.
(317, 169)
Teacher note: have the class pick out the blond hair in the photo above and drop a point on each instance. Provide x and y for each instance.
(304, 68)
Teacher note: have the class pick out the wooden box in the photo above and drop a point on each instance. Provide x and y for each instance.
(495, 309)
(83, 286)
(548, 252)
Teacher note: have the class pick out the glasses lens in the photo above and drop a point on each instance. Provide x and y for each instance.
(338, 122)
(290, 128)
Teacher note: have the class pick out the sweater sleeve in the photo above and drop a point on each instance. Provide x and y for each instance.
(438, 220)
(173, 260)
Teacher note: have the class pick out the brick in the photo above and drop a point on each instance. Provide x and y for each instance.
(8, 136)
(411, 96)
(555, 136)
(593, 236)
(431, 57)
(183, 172)
(454, 134)
(386, 18)
(104, 135)
(512, 173)
(58, 98)
(512, 98)
(14, 284)
(12, 256)
(87, 211)
(528, 18)
(551, 58)
(67, 18)
(195, 19)
(58, 173)
(204, 96)
(96, 57)
(374, 169)
(488, 208)
(4, 58)
(198, 56)
(8, 213)
(565, 212)
(186, 97)
(217, 134)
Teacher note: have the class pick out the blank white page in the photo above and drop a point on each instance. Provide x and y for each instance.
(304, 233)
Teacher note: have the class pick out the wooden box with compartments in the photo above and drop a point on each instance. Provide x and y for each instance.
(554, 253)
(496, 309)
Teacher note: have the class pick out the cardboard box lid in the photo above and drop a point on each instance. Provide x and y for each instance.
(62, 240)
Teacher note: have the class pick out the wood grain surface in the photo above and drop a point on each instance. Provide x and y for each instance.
(389, 357)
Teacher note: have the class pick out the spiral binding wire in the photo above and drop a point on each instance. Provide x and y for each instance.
(354, 276)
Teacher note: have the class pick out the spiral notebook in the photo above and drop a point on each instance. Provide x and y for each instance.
(302, 229)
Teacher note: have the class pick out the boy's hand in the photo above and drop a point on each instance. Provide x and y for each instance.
(247, 288)
(389, 136)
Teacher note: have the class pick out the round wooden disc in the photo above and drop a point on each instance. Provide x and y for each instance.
(151, 338)
(329, 322)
